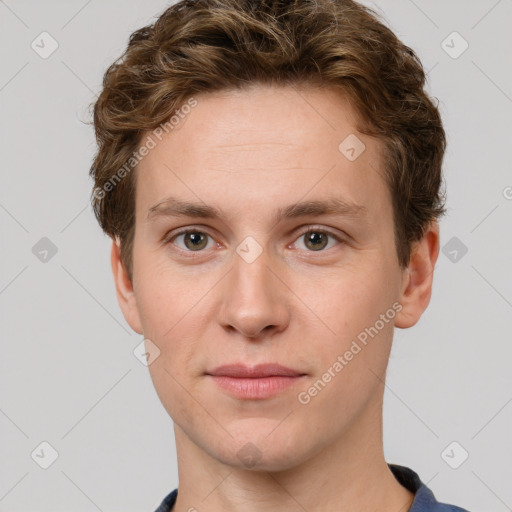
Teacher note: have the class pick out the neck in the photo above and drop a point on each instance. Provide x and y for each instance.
(348, 474)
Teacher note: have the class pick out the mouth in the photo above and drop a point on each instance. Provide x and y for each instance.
(258, 382)
(259, 371)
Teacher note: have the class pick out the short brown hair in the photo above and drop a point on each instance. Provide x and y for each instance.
(200, 46)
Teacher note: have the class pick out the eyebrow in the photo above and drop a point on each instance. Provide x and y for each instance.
(173, 207)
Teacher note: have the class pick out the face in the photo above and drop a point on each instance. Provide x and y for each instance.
(266, 281)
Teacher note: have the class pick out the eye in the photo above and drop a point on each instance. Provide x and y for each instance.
(316, 240)
(193, 240)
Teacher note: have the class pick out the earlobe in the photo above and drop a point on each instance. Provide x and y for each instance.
(418, 278)
(124, 288)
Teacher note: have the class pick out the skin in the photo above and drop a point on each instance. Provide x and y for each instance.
(250, 152)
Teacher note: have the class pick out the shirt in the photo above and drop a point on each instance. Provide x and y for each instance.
(424, 500)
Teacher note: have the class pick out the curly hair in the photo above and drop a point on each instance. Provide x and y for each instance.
(198, 46)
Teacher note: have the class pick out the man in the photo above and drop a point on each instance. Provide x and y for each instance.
(270, 175)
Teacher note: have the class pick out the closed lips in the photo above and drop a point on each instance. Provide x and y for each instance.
(254, 372)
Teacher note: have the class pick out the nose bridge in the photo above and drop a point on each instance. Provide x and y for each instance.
(253, 297)
(251, 271)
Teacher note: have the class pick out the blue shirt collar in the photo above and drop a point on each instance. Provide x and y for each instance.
(424, 500)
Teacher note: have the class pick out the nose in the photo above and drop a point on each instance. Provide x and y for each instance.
(255, 298)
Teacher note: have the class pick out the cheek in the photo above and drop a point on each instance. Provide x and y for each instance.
(353, 339)
(347, 301)
(164, 298)
(175, 372)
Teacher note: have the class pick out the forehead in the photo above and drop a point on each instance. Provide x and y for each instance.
(263, 146)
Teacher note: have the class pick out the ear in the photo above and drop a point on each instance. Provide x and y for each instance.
(417, 278)
(124, 289)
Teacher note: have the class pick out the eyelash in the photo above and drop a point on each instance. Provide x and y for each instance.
(191, 254)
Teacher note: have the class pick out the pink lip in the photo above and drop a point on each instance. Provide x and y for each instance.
(261, 381)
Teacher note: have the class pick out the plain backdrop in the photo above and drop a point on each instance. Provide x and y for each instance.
(69, 377)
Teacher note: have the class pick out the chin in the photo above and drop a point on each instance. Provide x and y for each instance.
(261, 452)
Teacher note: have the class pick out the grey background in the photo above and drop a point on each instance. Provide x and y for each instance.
(68, 374)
